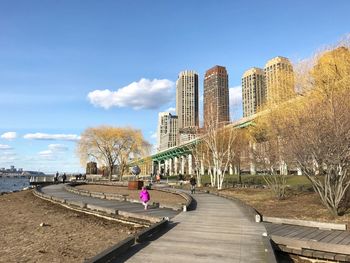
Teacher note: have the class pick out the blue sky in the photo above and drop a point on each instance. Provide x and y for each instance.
(69, 65)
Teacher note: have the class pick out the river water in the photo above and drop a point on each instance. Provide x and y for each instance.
(10, 184)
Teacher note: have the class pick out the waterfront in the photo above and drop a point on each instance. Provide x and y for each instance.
(10, 184)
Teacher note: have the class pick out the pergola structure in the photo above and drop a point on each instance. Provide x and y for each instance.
(179, 159)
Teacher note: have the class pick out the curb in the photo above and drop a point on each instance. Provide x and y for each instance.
(83, 207)
(297, 222)
(121, 247)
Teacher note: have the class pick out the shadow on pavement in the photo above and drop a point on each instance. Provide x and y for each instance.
(137, 247)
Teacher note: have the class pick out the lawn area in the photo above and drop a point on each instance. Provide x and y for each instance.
(298, 205)
(302, 203)
(293, 181)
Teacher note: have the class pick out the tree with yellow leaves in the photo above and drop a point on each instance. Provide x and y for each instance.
(111, 146)
(313, 129)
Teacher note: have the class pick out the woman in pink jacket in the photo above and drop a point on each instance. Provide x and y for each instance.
(145, 197)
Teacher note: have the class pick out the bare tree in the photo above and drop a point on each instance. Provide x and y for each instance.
(219, 143)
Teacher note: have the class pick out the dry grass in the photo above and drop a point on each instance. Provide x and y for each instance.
(304, 206)
(67, 236)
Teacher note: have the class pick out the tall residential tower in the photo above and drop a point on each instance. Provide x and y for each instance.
(253, 91)
(279, 80)
(187, 104)
(216, 96)
(167, 131)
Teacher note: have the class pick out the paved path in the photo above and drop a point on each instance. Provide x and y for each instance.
(58, 190)
(217, 231)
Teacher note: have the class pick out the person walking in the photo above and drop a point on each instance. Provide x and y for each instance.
(55, 178)
(64, 177)
(193, 184)
(145, 197)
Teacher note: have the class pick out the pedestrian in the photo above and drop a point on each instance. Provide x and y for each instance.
(193, 184)
(64, 177)
(145, 197)
(158, 177)
(55, 178)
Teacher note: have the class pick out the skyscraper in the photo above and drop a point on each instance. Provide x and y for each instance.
(279, 79)
(187, 104)
(167, 130)
(216, 96)
(253, 91)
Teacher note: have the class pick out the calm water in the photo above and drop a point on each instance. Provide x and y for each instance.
(13, 184)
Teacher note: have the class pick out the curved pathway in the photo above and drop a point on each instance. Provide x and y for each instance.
(59, 191)
(218, 230)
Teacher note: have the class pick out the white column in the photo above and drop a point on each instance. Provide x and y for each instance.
(182, 165)
(252, 147)
(152, 168)
(202, 167)
(170, 166)
(283, 168)
(159, 168)
(165, 166)
(189, 164)
(299, 172)
(175, 165)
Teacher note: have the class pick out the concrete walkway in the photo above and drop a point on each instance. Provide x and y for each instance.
(58, 190)
(218, 230)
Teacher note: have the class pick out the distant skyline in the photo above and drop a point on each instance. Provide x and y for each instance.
(68, 65)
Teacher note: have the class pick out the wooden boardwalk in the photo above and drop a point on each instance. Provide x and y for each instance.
(218, 230)
(311, 241)
(59, 191)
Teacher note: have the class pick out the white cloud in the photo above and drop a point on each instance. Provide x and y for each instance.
(45, 136)
(235, 102)
(53, 151)
(171, 110)
(9, 135)
(8, 157)
(58, 147)
(154, 135)
(5, 147)
(144, 94)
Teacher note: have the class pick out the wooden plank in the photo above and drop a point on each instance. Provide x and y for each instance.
(314, 245)
(298, 230)
(339, 238)
(322, 235)
(279, 228)
(331, 236)
(285, 231)
(273, 227)
(345, 241)
(312, 235)
(305, 233)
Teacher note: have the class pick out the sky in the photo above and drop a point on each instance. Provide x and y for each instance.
(69, 65)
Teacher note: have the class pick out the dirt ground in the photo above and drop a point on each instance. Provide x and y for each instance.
(304, 206)
(156, 196)
(67, 236)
